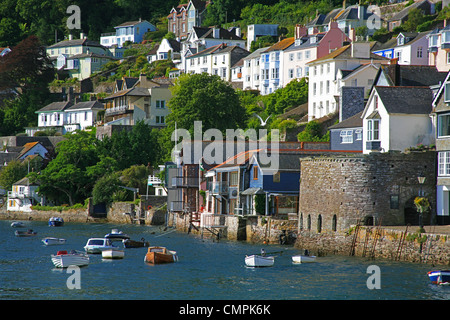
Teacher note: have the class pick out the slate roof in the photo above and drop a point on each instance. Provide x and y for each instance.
(410, 75)
(137, 91)
(56, 106)
(88, 105)
(406, 100)
(76, 42)
(404, 13)
(203, 32)
(346, 53)
(354, 121)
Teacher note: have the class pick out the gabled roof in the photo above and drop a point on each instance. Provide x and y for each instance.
(406, 100)
(281, 45)
(411, 75)
(208, 33)
(345, 52)
(27, 147)
(24, 182)
(136, 91)
(131, 23)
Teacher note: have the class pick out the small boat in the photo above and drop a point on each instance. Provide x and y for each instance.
(49, 241)
(303, 259)
(113, 254)
(157, 255)
(28, 233)
(441, 277)
(116, 235)
(259, 261)
(55, 222)
(97, 245)
(128, 243)
(18, 224)
(63, 259)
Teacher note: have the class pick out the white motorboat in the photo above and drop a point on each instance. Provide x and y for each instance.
(116, 235)
(63, 259)
(17, 224)
(259, 261)
(49, 241)
(303, 259)
(97, 245)
(55, 222)
(113, 254)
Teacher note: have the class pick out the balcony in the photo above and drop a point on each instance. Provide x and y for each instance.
(185, 182)
(220, 188)
(180, 206)
(118, 110)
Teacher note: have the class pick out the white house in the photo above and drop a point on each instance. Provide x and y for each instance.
(23, 195)
(271, 66)
(132, 31)
(251, 70)
(167, 49)
(397, 118)
(254, 31)
(66, 117)
(324, 89)
(216, 60)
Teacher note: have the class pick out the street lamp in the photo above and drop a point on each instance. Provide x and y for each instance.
(421, 180)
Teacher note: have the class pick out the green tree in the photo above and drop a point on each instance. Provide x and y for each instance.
(105, 188)
(69, 177)
(313, 132)
(12, 173)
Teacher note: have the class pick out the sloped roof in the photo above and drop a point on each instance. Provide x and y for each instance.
(412, 75)
(56, 106)
(345, 52)
(406, 100)
(354, 121)
(281, 45)
(87, 105)
(402, 14)
(76, 42)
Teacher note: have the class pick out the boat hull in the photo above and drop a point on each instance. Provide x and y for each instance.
(17, 224)
(53, 241)
(303, 259)
(135, 244)
(25, 233)
(256, 261)
(70, 259)
(160, 255)
(113, 254)
(441, 277)
(55, 222)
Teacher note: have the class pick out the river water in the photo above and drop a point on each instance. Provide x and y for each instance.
(206, 270)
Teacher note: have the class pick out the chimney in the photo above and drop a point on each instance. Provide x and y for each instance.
(361, 12)
(360, 50)
(82, 36)
(352, 34)
(70, 95)
(332, 25)
(300, 31)
(238, 31)
(344, 4)
(70, 36)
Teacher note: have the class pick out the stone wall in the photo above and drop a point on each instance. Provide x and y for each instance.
(379, 243)
(337, 192)
(72, 215)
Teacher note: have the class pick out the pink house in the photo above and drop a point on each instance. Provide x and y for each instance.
(309, 47)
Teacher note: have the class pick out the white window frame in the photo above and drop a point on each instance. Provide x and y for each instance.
(373, 134)
(444, 163)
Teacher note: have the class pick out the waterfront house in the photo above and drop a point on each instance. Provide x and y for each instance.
(23, 195)
(216, 60)
(201, 38)
(441, 119)
(167, 49)
(138, 99)
(67, 116)
(409, 48)
(272, 61)
(186, 16)
(347, 134)
(309, 46)
(438, 45)
(397, 118)
(324, 88)
(131, 31)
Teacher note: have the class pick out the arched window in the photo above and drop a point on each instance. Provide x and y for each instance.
(319, 223)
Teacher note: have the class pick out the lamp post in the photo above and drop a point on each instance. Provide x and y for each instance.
(421, 180)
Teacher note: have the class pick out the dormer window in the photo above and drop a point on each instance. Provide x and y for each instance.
(433, 41)
(446, 37)
(400, 40)
(313, 39)
(447, 92)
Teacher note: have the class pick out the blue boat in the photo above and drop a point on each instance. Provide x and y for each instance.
(441, 277)
(55, 222)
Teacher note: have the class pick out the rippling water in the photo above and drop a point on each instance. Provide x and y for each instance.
(207, 270)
